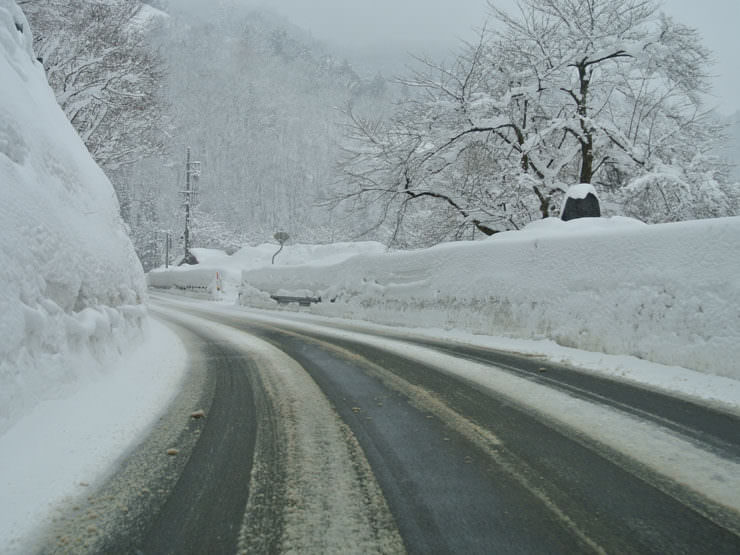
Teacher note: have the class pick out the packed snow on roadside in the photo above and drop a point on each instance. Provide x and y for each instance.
(72, 286)
(665, 293)
(657, 304)
(219, 274)
(71, 304)
(62, 449)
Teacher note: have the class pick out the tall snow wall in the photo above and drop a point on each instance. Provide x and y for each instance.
(71, 286)
(666, 293)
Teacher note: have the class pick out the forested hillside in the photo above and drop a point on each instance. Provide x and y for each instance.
(260, 103)
(734, 145)
(291, 137)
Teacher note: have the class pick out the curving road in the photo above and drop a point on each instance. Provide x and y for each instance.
(322, 439)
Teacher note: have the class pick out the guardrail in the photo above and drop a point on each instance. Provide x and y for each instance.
(302, 301)
(189, 287)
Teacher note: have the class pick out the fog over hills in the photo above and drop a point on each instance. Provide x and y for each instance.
(734, 145)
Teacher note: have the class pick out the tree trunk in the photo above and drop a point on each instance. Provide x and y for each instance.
(587, 140)
(544, 202)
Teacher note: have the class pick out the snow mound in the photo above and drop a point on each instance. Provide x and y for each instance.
(666, 293)
(291, 255)
(553, 227)
(72, 286)
(220, 274)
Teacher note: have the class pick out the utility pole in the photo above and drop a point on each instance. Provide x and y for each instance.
(167, 246)
(192, 173)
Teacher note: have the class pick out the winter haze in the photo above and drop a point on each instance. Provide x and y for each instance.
(386, 31)
(359, 277)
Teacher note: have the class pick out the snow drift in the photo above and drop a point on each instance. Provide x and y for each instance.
(666, 293)
(72, 286)
(217, 271)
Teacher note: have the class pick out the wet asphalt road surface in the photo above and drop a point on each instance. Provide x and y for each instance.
(462, 469)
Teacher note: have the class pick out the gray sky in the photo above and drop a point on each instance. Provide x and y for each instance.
(431, 25)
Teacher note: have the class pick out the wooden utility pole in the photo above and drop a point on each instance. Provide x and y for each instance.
(167, 245)
(192, 170)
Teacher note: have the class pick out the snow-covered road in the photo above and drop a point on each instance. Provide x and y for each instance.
(417, 412)
(323, 493)
(325, 436)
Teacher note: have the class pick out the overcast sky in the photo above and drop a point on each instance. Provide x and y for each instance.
(432, 24)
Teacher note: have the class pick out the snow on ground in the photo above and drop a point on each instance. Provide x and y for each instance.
(334, 502)
(665, 293)
(659, 449)
(682, 461)
(64, 447)
(218, 272)
(72, 307)
(615, 287)
(72, 287)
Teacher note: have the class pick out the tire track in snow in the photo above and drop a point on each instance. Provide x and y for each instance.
(309, 470)
(695, 477)
(698, 480)
(698, 477)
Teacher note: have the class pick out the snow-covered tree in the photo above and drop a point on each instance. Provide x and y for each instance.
(606, 92)
(140, 212)
(207, 232)
(256, 99)
(105, 74)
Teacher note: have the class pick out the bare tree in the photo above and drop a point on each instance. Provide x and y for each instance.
(606, 92)
(105, 74)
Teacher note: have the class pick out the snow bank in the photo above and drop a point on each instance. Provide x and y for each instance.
(191, 279)
(62, 444)
(216, 265)
(291, 255)
(666, 293)
(71, 285)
